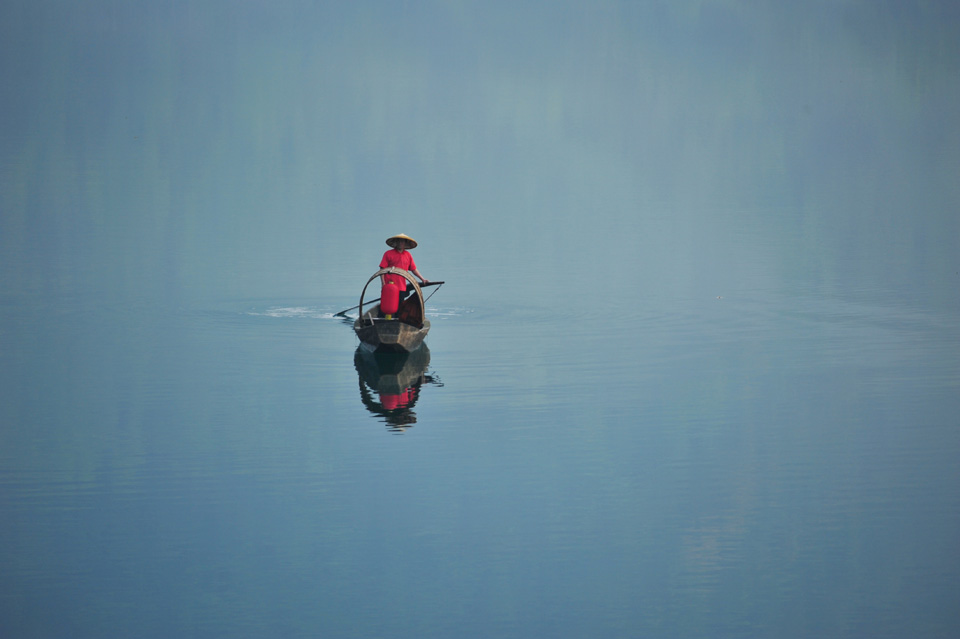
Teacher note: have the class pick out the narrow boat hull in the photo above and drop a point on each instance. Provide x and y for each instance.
(380, 335)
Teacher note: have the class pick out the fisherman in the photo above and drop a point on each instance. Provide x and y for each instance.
(399, 256)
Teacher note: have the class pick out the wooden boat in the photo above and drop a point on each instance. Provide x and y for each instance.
(401, 334)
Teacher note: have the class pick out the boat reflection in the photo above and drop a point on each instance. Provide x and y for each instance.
(390, 384)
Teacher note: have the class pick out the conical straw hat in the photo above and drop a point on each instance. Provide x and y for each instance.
(392, 241)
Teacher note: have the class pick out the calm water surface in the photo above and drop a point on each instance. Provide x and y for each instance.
(765, 466)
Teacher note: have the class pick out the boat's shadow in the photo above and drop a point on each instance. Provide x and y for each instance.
(390, 384)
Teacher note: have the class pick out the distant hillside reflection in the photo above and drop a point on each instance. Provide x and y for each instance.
(390, 384)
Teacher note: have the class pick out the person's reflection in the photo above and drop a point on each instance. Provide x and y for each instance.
(390, 384)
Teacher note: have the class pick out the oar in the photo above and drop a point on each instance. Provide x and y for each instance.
(410, 288)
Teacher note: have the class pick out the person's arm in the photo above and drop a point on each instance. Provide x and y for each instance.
(422, 278)
(384, 264)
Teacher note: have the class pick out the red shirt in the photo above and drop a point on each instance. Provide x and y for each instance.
(404, 260)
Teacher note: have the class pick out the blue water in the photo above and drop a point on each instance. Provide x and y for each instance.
(738, 467)
(695, 370)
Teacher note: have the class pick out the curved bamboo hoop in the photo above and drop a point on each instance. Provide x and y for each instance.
(395, 271)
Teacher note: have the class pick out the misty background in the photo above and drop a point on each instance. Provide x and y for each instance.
(191, 151)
